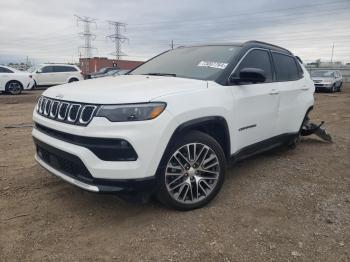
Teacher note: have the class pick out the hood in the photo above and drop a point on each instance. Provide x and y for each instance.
(123, 89)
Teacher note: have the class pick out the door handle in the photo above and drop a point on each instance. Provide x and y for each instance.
(274, 92)
(304, 88)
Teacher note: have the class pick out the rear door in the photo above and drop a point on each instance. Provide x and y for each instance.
(294, 90)
(255, 105)
(4, 77)
(61, 74)
(46, 76)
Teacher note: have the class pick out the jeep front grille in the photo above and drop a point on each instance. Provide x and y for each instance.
(68, 112)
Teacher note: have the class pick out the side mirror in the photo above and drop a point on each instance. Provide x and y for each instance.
(249, 75)
(39, 71)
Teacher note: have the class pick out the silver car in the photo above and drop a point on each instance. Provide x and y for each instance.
(327, 80)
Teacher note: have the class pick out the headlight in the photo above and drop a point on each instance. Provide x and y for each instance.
(132, 112)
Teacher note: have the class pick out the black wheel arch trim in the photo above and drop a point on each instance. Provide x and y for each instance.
(194, 124)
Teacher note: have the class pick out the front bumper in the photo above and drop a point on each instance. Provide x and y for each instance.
(71, 169)
(148, 138)
(323, 87)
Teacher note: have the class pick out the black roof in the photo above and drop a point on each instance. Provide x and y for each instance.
(251, 44)
(254, 43)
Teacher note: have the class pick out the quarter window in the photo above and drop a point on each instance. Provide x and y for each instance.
(5, 70)
(59, 69)
(286, 67)
(257, 59)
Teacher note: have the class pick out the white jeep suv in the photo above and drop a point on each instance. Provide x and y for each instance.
(55, 74)
(168, 127)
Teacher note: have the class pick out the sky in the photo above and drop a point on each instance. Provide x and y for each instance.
(47, 31)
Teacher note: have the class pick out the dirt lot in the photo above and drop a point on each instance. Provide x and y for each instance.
(285, 205)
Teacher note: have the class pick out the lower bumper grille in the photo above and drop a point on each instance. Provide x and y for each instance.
(64, 162)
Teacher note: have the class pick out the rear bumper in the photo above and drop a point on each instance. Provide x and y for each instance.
(72, 170)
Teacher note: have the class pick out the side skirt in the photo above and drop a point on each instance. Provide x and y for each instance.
(261, 147)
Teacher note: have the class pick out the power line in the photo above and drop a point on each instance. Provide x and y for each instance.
(117, 38)
(87, 35)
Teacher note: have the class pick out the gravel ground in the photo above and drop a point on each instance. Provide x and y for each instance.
(284, 205)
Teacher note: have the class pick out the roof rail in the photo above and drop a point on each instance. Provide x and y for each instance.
(265, 43)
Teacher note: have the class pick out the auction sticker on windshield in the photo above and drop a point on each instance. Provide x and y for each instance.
(212, 64)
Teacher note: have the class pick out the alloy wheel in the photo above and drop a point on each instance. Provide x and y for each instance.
(192, 173)
(14, 88)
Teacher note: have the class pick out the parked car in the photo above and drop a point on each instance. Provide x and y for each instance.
(14, 81)
(55, 74)
(327, 80)
(169, 127)
(119, 72)
(103, 72)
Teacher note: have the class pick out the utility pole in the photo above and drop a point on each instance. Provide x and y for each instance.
(332, 53)
(117, 38)
(86, 34)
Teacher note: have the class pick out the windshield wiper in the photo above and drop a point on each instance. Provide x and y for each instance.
(160, 74)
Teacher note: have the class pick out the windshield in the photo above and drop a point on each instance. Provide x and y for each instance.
(102, 70)
(199, 62)
(323, 74)
(32, 69)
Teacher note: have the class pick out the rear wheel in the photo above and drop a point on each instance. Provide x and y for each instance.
(14, 87)
(192, 173)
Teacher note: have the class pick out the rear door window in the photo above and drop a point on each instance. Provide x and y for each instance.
(286, 67)
(47, 69)
(70, 69)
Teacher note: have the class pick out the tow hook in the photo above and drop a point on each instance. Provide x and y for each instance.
(309, 128)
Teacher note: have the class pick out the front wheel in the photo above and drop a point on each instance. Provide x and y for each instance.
(339, 88)
(193, 172)
(333, 89)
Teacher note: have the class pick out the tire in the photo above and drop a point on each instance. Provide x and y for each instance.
(191, 172)
(73, 80)
(333, 90)
(339, 88)
(14, 87)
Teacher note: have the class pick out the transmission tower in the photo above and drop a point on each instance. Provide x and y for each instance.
(86, 34)
(117, 38)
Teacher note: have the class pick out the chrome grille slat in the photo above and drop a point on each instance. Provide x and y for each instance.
(54, 109)
(84, 119)
(73, 112)
(68, 112)
(47, 107)
(63, 109)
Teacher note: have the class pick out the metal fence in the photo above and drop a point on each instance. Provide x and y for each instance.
(345, 71)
